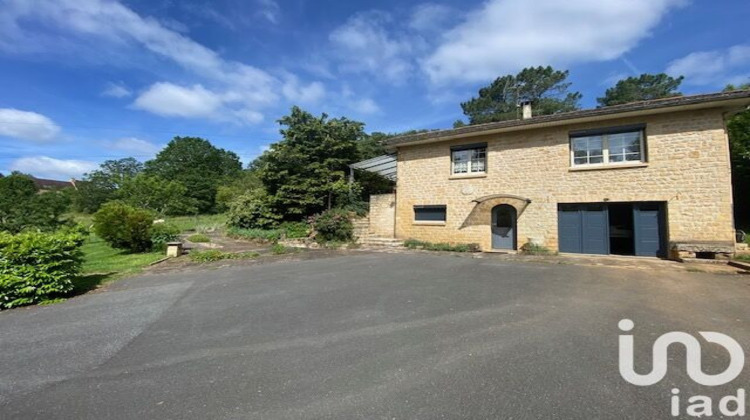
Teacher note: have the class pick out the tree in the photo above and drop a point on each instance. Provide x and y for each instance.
(156, 194)
(198, 165)
(101, 185)
(301, 172)
(738, 129)
(22, 206)
(245, 183)
(642, 88)
(544, 87)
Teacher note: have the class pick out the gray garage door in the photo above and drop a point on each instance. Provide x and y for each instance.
(585, 228)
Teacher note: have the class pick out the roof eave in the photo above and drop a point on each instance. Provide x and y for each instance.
(726, 104)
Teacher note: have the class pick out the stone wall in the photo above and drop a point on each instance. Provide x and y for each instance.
(688, 168)
(383, 215)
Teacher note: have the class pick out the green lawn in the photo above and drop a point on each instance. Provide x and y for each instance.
(100, 258)
(102, 263)
(197, 223)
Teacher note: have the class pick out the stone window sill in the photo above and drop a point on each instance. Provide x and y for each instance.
(468, 176)
(606, 167)
(418, 223)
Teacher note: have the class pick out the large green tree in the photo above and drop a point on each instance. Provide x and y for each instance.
(198, 165)
(101, 185)
(306, 172)
(546, 89)
(738, 128)
(159, 195)
(23, 207)
(642, 88)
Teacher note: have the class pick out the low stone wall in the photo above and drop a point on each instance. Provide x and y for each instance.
(383, 215)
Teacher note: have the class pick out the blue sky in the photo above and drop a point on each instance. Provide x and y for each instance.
(82, 81)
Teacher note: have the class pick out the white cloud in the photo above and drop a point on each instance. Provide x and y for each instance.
(365, 106)
(295, 92)
(364, 45)
(244, 89)
(47, 167)
(26, 125)
(269, 10)
(503, 36)
(430, 17)
(116, 90)
(141, 148)
(717, 67)
(170, 100)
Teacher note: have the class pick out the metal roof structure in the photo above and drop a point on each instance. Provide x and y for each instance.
(384, 165)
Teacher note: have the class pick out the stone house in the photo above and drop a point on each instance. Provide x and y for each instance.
(649, 178)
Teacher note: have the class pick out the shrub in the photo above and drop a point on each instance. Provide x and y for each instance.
(161, 233)
(531, 248)
(293, 230)
(265, 235)
(253, 211)
(35, 267)
(23, 207)
(333, 225)
(416, 244)
(278, 249)
(124, 227)
(199, 237)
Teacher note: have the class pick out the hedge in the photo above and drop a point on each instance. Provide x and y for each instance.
(35, 266)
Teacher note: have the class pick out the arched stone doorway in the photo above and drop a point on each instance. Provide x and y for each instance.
(504, 227)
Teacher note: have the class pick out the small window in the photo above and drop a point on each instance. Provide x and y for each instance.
(469, 159)
(435, 213)
(610, 146)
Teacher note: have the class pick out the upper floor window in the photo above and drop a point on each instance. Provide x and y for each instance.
(608, 146)
(469, 159)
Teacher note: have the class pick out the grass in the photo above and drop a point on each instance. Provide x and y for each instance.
(199, 238)
(100, 258)
(216, 255)
(742, 257)
(198, 223)
(265, 235)
(415, 244)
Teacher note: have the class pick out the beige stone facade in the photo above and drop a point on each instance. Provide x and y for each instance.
(383, 215)
(687, 168)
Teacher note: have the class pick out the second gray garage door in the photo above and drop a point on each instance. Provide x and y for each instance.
(588, 229)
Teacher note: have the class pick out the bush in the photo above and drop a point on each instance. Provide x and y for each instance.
(294, 230)
(253, 211)
(265, 235)
(161, 233)
(23, 207)
(278, 249)
(531, 248)
(429, 246)
(333, 226)
(35, 267)
(199, 237)
(124, 227)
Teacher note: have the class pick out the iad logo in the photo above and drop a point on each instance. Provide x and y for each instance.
(700, 405)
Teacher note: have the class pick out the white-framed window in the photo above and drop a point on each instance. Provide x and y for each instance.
(608, 147)
(469, 159)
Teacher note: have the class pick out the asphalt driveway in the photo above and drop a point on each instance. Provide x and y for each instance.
(366, 336)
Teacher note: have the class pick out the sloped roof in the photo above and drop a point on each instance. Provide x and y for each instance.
(735, 99)
(384, 165)
(45, 184)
